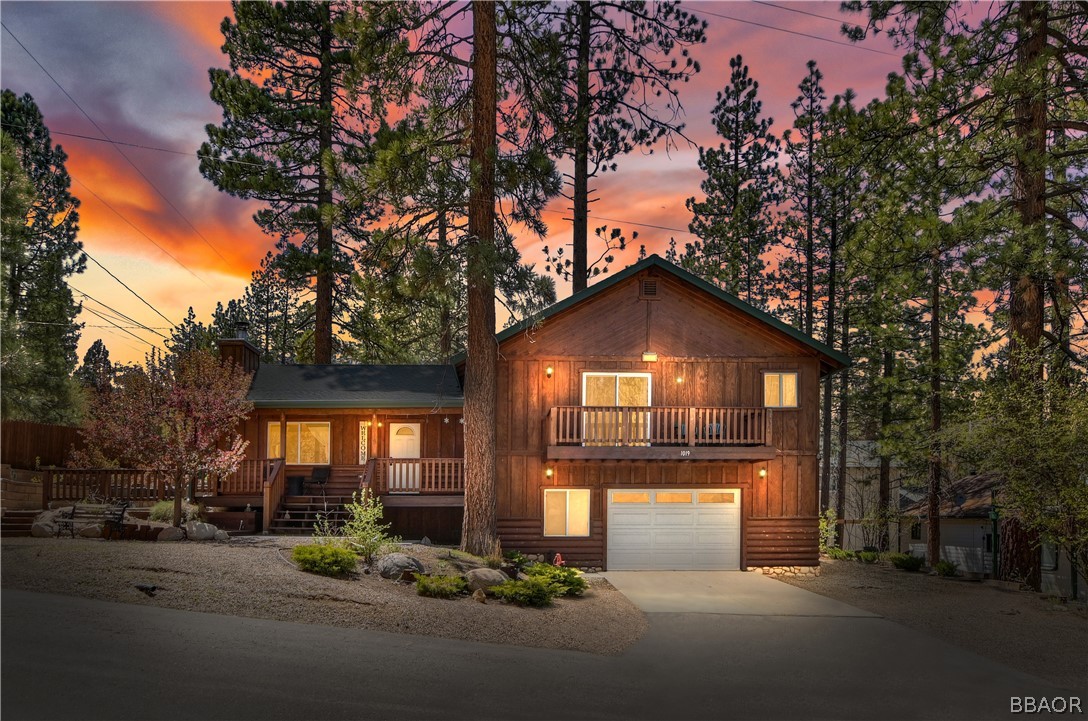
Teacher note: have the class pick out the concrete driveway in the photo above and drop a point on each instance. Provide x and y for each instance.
(725, 592)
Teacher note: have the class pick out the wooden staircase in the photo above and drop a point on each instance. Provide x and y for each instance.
(16, 523)
(297, 515)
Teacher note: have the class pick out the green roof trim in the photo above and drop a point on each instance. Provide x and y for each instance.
(656, 261)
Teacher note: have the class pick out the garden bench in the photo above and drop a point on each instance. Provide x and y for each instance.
(111, 515)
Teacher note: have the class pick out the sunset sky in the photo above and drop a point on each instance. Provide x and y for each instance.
(140, 71)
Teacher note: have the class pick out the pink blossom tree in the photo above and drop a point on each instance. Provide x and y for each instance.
(179, 414)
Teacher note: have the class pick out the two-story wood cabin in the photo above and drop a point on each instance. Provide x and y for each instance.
(651, 421)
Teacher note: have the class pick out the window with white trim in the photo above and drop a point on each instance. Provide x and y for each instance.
(566, 512)
(307, 443)
(779, 389)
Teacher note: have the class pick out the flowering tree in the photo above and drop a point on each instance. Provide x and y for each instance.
(179, 415)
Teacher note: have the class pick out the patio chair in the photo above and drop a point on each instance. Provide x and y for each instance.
(320, 476)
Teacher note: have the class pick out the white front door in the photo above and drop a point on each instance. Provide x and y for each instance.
(403, 444)
(673, 529)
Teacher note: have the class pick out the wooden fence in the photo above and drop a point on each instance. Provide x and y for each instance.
(26, 444)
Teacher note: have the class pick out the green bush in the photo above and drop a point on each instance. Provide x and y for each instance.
(163, 512)
(566, 581)
(324, 560)
(441, 586)
(364, 530)
(906, 562)
(533, 591)
(839, 554)
(828, 529)
(946, 568)
(868, 556)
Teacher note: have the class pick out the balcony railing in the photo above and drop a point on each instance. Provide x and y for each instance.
(418, 475)
(634, 426)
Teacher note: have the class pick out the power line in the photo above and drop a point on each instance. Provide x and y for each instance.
(791, 32)
(88, 325)
(626, 222)
(115, 146)
(133, 225)
(118, 313)
(840, 21)
(127, 332)
(130, 290)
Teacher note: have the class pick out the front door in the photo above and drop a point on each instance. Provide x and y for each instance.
(404, 445)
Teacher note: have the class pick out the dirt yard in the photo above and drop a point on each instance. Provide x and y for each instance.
(253, 576)
(1022, 630)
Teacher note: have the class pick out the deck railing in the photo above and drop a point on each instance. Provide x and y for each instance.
(272, 488)
(658, 426)
(77, 484)
(418, 475)
(248, 480)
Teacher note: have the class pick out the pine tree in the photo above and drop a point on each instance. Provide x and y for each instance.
(97, 371)
(734, 222)
(289, 129)
(40, 310)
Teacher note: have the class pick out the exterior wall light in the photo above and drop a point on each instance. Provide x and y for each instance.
(679, 379)
(649, 357)
(549, 371)
(762, 472)
(549, 472)
(379, 424)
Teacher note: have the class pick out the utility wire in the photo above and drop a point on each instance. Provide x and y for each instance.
(130, 290)
(791, 32)
(133, 225)
(625, 222)
(127, 332)
(118, 313)
(840, 21)
(115, 146)
(89, 325)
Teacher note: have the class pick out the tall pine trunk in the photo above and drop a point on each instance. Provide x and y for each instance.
(479, 534)
(844, 428)
(580, 267)
(323, 290)
(1026, 289)
(933, 537)
(829, 337)
(884, 483)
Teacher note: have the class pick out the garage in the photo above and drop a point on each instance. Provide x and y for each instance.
(673, 529)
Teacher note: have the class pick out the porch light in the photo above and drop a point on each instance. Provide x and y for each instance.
(549, 473)
(649, 357)
(548, 371)
(379, 424)
(762, 472)
(679, 379)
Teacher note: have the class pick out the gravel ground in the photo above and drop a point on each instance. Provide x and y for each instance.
(253, 576)
(1022, 630)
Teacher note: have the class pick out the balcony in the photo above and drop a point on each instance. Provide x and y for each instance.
(659, 432)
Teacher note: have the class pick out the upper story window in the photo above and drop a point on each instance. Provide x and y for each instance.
(307, 443)
(615, 389)
(780, 389)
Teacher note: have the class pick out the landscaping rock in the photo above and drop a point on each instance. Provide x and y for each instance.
(197, 531)
(222, 535)
(42, 530)
(426, 541)
(479, 595)
(407, 576)
(482, 579)
(94, 531)
(393, 565)
(171, 534)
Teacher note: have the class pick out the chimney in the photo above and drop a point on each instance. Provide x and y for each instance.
(239, 349)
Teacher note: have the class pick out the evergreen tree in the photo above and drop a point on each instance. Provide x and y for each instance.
(289, 129)
(734, 221)
(97, 371)
(621, 62)
(40, 310)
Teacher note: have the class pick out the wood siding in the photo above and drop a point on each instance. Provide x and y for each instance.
(709, 354)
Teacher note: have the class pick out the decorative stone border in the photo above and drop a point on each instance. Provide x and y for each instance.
(791, 571)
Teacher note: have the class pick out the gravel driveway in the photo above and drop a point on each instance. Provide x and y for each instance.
(253, 576)
(1022, 630)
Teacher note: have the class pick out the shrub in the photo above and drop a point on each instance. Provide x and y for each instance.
(828, 527)
(441, 586)
(324, 560)
(906, 562)
(163, 512)
(946, 568)
(516, 558)
(840, 554)
(363, 529)
(869, 556)
(566, 581)
(533, 591)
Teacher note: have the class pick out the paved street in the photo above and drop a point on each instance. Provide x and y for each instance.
(66, 658)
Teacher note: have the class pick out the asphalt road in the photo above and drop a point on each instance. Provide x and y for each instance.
(72, 658)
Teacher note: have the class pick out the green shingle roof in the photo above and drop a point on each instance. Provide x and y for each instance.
(356, 386)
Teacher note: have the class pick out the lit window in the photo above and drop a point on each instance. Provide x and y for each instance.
(780, 390)
(566, 512)
(307, 443)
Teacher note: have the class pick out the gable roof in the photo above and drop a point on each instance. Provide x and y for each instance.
(969, 497)
(831, 357)
(356, 386)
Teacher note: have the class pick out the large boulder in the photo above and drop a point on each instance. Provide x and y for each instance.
(393, 565)
(92, 531)
(42, 530)
(482, 579)
(198, 531)
(222, 535)
(170, 534)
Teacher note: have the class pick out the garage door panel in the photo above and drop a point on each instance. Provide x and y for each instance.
(675, 536)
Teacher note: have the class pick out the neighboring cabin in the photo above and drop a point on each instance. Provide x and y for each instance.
(650, 421)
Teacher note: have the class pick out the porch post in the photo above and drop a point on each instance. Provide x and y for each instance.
(283, 436)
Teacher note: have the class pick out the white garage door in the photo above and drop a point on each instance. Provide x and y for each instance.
(676, 529)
